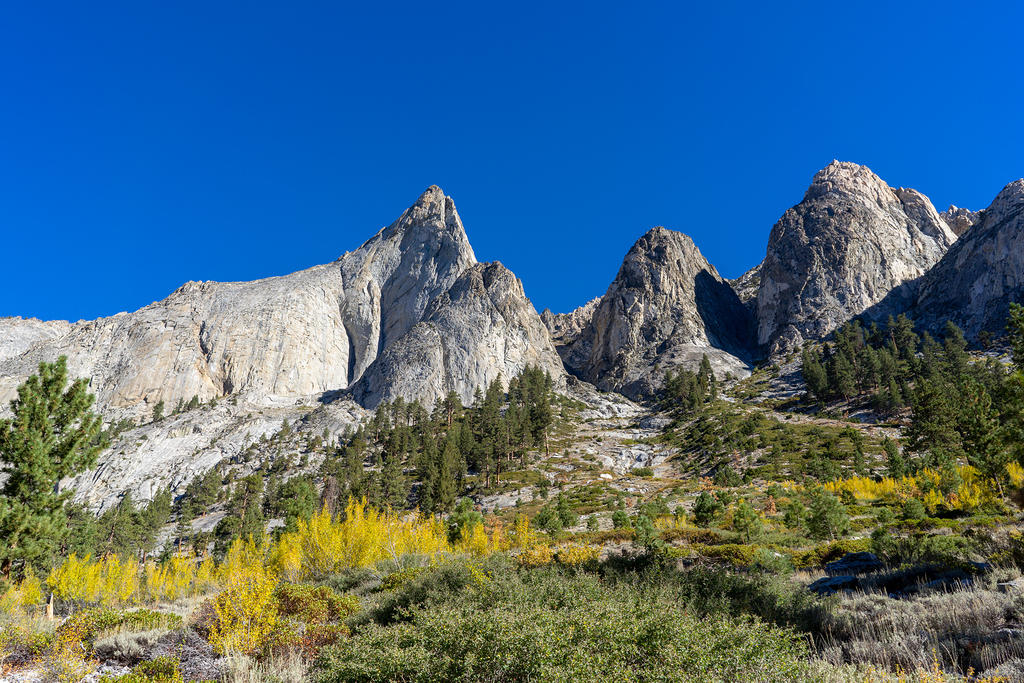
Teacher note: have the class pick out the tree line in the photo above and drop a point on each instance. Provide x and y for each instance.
(961, 409)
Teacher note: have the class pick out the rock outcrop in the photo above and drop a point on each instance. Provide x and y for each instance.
(566, 327)
(18, 334)
(848, 244)
(314, 331)
(666, 308)
(481, 327)
(982, 273)
(960, 220)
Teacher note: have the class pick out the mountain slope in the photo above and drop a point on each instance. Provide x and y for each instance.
(314, 331)
(983, 272)
(482, 326)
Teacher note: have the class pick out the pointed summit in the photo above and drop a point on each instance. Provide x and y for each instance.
(433, 220)
(666, 308)
(842, 249)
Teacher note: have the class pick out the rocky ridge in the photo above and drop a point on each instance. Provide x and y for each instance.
(960, 220)
(482, 326)
(566, 327)
(318, 330)
(410, 314)
(982, 273)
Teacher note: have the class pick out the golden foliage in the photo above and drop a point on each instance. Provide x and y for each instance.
(576, 554)
(361, 537)
(109, 581)
(24, 595)
(926, 486)
(1016, 474)
(246, 609)
(536, 556)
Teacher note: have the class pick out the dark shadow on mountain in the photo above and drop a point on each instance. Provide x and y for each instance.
(729, 324)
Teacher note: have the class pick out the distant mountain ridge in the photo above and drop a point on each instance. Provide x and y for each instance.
(411, 314)
(319, 330)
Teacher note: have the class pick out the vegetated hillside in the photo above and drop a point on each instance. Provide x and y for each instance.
(763, 529)
(426, 495)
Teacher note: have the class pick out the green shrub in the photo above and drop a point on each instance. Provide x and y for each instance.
(159, 670)
(913, 510)
(736, 554)
(313, 604)
(703, 536)
(86, 626)
(399, 578)
(549, 625)
(820, 555)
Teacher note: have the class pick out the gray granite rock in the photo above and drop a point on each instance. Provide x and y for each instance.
(666, 308)
(982, 274)
(848, 244)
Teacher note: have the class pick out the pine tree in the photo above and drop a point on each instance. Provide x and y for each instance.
(158, 411)
(152, 519)
(814, 373)
(896, 464)
(704, 509)
(706, 380)
(244, 517)
(53, 434)
(980, 432)
(746, 521)
(444, 496)
(932, 430)
(828, 518)
(295, 499)
(394, 488)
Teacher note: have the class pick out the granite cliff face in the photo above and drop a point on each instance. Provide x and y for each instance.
(18, 334)
(982, 273)
(848, 244)
(303, 334)
(666, 308)
(409, 313)
(482, 326)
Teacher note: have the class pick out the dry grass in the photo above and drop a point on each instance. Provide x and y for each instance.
(288, 667)
(975, 629)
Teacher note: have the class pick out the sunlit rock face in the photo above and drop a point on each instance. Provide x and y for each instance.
(850, 242)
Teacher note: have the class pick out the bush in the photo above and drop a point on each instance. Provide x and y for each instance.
(913, 510)
(828, 518)
(703, 536)
(159, 670)
(821, 555)
(246, 611)
(620, 520)
(736, 554)
(314, 604)
(727, 476)
(83, 628)
(544, 624)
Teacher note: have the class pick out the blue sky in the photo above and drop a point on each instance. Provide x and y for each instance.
(144, 144)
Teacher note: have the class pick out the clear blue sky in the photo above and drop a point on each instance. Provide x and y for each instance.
(143, 144)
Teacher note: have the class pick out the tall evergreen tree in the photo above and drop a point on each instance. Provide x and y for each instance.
(52, 434)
